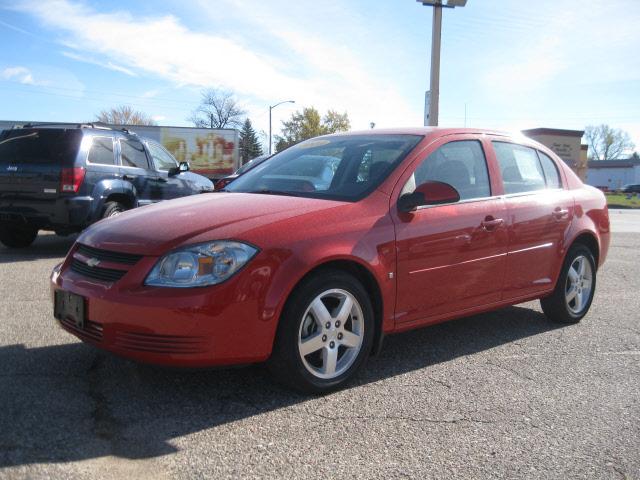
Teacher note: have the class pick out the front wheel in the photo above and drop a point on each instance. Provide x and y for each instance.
(18, 236)
(572, 297)
(325, 333)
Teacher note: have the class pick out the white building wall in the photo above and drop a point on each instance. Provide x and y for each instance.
(613, 178)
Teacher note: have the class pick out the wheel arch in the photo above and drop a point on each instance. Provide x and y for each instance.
(589, 240)
(363, 274)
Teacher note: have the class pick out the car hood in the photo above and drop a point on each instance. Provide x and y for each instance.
(155, 229)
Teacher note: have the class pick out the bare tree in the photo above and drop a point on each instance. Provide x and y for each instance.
(606, 143)
(218, 109)
(124, 115)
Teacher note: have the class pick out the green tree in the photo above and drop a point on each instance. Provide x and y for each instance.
(308, 124)
(249, 145)
(606, 143)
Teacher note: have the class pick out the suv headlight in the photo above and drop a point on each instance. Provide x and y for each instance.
(200, 265)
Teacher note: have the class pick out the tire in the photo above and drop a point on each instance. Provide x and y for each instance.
(18, 236)
(342, 349)
(111, 209)
(572, 297)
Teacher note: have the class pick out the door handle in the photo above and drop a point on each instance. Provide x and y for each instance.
(129, 177)
(490, 224)
(160, 179)
(560, 213)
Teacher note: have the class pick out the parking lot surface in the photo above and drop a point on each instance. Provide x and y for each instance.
(500, 395)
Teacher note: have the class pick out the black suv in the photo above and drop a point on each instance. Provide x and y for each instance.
(65, 177)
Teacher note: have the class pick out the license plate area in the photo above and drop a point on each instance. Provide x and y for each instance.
(69, 306)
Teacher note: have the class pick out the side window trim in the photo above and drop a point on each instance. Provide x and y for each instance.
(553, 163)
(486, 166)
(122, 165)
(116, 156)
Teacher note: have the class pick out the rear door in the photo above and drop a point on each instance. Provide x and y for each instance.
(137, 169)
(31, 161)
(101, 162)
(540, 212)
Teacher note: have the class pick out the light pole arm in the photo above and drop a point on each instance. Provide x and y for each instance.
(271, 107)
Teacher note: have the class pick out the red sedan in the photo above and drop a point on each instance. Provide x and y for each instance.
(309, 259)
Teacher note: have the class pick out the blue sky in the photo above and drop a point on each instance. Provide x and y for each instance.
(515, 64)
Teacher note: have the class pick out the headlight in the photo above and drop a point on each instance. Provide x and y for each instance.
(200, 265)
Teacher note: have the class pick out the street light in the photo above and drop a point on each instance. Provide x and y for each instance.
(271, 107)
(436, 33)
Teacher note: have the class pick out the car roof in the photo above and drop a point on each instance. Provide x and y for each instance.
(434, 131)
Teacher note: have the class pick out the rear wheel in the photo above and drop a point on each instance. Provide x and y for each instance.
(572, 297)
(18, 236)
(325, 333)
(111, 209)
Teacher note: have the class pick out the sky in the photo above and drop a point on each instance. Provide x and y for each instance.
(510, 64)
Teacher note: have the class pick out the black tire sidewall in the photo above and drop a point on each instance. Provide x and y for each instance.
(287, 336)
(110, 207)
(18, 236)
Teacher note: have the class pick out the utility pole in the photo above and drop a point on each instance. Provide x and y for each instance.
(436, 35)
(271, 107)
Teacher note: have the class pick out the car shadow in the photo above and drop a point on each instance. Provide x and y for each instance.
(47, 245)
(72, 402)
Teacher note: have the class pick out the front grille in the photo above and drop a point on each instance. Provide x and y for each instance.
(150, 342)
(99, 273)
(108, 255)
(90, 330)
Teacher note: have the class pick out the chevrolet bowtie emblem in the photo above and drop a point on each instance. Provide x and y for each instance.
(93, 262)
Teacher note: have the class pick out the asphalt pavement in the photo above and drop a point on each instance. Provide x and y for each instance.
(500, 395)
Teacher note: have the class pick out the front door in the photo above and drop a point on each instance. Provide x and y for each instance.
(450, 257)
(176, 185)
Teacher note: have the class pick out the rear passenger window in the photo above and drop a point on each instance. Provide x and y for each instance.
(101, 151)
(132, 153)
(461, 164)
(520, 168)
(550, 171)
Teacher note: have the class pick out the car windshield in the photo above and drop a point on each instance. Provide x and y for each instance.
(342, 167)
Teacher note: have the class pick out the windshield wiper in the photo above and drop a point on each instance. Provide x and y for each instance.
(267, 191)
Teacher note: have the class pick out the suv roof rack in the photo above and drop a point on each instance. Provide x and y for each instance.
(64, 124)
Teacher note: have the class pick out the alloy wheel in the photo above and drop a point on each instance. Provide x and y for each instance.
(331, 333)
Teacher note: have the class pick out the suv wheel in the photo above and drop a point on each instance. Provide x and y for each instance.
(18, 236)
(111, 209)
(571, 299)
(325, 333)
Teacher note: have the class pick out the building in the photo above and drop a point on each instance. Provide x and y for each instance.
(613, 174)
(567, 144)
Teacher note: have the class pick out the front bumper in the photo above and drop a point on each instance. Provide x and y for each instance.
(199, 327)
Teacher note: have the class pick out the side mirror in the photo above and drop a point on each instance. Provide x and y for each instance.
(182, 167)
(428, 193)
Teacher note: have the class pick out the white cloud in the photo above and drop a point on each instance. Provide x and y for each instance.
(108, 65)
(309, 70)
(20, 74)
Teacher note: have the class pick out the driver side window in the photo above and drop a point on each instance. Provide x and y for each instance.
(161, 158)
(461, 164)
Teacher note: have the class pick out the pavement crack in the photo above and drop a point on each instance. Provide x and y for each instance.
(512, 370)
